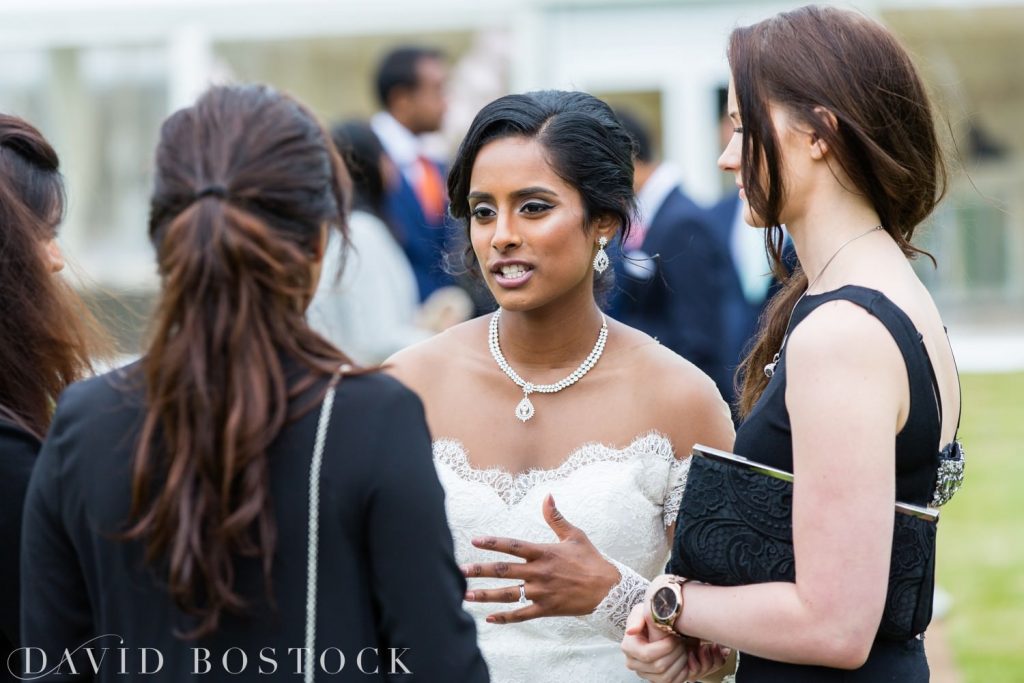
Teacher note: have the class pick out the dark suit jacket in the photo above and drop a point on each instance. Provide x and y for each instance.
(387, 572)
(424, 241)
(739, 315)
(675, 295)
(18, 450)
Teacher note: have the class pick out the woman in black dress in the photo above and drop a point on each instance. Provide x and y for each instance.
(47, 337)
(240, 502)
(834, 138)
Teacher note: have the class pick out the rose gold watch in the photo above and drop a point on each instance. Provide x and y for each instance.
(667, 602)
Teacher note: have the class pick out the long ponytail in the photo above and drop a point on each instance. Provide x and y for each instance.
(247, 180)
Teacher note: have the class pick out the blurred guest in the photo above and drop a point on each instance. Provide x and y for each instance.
(189, 502)
(47, 336)
(410, 89)
(367, 303)
(671, 278)
(749, 282)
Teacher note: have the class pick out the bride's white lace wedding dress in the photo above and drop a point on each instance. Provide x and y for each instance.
(622, 498)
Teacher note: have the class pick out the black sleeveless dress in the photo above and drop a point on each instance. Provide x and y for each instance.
(765, 436)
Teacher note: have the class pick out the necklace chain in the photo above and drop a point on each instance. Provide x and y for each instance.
(525, 410)
(769, 369)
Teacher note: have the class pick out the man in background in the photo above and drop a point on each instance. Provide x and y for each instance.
(410, 86)
(671, 276)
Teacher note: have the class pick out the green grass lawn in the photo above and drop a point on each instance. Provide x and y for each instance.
(981, 534)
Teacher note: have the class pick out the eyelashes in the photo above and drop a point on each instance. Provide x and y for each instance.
(531, 208)
(535, 207)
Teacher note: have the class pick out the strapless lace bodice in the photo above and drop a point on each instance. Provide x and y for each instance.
(622, 498)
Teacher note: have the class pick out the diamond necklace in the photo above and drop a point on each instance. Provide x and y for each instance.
(525, 410)
(769, 369)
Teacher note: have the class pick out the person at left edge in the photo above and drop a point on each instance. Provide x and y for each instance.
(48, 338)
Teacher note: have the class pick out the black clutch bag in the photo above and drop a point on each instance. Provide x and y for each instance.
(735, 528)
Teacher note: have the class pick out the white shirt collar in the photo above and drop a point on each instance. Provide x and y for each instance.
(401, 145)
(750, 257)
(655, 191)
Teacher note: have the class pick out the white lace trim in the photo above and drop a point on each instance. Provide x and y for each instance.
(610, 615)
(678, 472)
(512, 488)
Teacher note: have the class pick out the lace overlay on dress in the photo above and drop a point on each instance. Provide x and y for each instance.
(622, 498)
(511, 488)
(610, 616)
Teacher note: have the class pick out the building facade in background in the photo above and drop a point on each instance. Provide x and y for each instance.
(98, 76)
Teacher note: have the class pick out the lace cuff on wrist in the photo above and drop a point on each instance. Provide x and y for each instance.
(678, 471)
(610, 615)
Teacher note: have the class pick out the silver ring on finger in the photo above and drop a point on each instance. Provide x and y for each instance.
(522, 594)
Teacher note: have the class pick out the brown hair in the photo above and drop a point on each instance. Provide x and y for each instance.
(47, 335)
(246, 179)
(883, 137)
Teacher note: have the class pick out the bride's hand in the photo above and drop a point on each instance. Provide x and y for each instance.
(568, 578)
(661, 658)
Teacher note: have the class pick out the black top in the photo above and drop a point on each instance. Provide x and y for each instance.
(18, 450)
(387, 573)
(674, 287)
(765, 436)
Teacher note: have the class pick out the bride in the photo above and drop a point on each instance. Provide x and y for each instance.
(560, 433)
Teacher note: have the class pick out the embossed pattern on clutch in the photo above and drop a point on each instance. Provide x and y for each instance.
(735, 528)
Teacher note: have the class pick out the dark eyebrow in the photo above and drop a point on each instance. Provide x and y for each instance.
(518, 194)
(534, 190)
(733, 114)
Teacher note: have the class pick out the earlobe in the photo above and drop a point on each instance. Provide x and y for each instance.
(819, 148)
(607, 226)
(54, 256)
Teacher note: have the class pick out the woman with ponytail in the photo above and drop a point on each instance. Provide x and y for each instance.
(48, 339)
(851, 385)
(241, 500)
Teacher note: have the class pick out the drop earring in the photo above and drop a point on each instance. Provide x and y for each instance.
(601, 261)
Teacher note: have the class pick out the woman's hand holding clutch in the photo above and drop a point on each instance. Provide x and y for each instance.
(662, 658)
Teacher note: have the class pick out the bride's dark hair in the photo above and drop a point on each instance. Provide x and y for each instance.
(586, 144)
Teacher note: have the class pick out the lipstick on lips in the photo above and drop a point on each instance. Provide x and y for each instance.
(511, 274)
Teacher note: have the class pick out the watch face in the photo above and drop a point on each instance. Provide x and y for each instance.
(664, 603)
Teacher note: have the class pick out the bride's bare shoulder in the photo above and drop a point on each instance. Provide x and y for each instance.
(420, 364)
(676, 392)
(661, 367)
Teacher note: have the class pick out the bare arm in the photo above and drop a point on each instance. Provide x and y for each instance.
(846, 393)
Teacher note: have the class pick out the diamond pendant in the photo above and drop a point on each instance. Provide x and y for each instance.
(769, 369)
(601, 261)
(524, 411)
